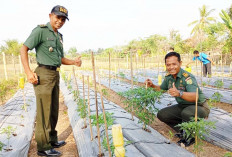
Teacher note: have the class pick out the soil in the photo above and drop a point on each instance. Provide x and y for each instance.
(64, 133)
(209, 150)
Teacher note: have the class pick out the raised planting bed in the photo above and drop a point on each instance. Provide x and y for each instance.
(17, 124)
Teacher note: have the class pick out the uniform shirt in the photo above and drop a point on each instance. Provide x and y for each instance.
(185, 82)
(202, 57)
(48, 45)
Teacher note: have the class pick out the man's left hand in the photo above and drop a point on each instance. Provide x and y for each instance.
(174, 91)
(78, 61)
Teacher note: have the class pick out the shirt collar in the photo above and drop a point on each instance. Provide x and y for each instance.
(180, 73)
(50, 27)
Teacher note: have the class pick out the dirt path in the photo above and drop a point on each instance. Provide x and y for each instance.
(64, 133)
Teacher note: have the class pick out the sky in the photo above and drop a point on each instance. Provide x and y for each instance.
(97, 24)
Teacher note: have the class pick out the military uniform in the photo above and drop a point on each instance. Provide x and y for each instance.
(184, 110)
(49, 51)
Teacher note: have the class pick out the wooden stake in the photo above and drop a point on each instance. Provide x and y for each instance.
(76, 82)
(95, 88)
(20, 64)
(4, 64)
(83, 81)
(13, 63)
(104, 115)
(90, 124)
(132, 83)
(196, 117)
(109, 70)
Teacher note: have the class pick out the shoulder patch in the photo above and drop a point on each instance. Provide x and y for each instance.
(43, 26)
(189, 81)
(185, 75)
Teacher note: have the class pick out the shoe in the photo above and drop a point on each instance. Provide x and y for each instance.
(58, 144)
(180, 134)
(51, 152)
(187, 142)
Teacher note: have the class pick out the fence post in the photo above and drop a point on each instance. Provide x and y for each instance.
(20, 64)
(4, 63)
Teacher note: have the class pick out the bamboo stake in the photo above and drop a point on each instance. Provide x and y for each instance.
(196, 117)
(20, 63)
(104, 115)
(132, 86)
(76, 82)
(201, 72)
(109, 70)
(13, 63)
(4, 63)
(90, 124)
(95, 88)
(83, 81)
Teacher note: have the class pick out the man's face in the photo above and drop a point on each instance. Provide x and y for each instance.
(56, 21)
(196, 55)
(173, 65)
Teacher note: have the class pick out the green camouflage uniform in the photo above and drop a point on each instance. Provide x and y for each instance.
(184, 110)
(49, 51)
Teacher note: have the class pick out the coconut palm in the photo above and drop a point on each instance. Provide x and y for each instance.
(203, 22)
(227, 20)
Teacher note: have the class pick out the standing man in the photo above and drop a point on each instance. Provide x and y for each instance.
(204, 58)
(48, 43)
(182, 85)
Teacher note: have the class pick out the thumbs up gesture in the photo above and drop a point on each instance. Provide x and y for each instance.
(78, 61)
(174, 91)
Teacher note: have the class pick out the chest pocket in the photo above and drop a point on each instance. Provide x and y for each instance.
(51, 43)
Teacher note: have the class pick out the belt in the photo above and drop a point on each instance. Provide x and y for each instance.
(50, 67)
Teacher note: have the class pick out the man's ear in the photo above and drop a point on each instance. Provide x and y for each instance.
(180, 63)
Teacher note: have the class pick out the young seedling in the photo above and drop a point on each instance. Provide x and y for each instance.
(219, 83)
(82, 110)
(110, 122)
(170, 135)
(197, 129)
(9, 131)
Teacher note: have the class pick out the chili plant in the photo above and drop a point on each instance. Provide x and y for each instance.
(197, 129)
(230, 87)
(122, 75)
(219, 83)
(82, 110)
(217, 97)
(142, 101)
(9, 131)
(75, 95)
(110, 122)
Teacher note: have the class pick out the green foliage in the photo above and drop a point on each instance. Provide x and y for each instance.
(1, 146)
(109, 119)
(204, 84)
(216, 97)
(7, 87)
(105, 146)
(170, 134)
(228, 154)
(82, 108)
(104, 92)
(122, 75)
(110, 122)
(142, 101)
(197, 129)
(219, 83)
(9, 130)
(75, 95)
(230, 87)
(11, 47)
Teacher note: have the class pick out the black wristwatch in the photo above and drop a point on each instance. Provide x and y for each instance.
(181, 93)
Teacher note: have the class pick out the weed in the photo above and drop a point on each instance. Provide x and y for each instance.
(104, 92)
(170, 135)
(230, 87)
(228, 154)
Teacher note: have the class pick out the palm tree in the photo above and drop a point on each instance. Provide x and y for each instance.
(227, 20)
(203, 22)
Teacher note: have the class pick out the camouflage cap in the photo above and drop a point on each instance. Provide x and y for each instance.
(60, 11)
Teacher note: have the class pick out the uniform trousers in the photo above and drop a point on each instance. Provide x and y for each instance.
(47, 103)
(179, 113)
